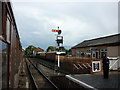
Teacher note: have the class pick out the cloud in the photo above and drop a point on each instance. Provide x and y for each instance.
(78, 21)
(51, 1)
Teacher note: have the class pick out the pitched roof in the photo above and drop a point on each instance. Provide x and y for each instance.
(38, 50)
(108, 40)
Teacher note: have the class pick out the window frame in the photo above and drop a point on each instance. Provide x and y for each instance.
(8, 39)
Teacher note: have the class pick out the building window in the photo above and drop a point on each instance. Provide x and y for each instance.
(4, 64)
(8, 28)
(82, 54)
(77, 53)
(88, 54)
(93, 55)
(103, 52)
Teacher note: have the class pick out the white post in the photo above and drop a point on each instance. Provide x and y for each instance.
(58, 61)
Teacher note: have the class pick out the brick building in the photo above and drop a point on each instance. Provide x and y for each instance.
(37, 50)
(95, 48)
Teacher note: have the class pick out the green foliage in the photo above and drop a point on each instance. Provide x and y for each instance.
(62, 49)
(51, 48)
(69, 52)
(29, 50)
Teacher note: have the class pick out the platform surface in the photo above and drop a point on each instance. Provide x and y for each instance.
(96, 81)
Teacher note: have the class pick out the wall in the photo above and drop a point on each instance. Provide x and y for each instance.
(73, 52)
(112, 51)
(77, 52)
(93, 52)
(80, 51)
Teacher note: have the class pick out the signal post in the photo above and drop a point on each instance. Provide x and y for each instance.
(59, 41)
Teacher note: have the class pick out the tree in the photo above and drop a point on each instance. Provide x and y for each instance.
(29, 50)
(63, 49)
(69, 52)
(51, 48)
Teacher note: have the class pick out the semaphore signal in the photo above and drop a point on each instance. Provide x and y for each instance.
(59, 37)
(59, 41)
(59, 31)
(53, 30)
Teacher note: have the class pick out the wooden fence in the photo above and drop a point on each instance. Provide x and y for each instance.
(77, 64)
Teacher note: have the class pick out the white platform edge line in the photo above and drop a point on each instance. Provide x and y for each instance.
(80, 82)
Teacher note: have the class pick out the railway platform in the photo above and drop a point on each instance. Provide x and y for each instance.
(82, 81)
(96, 81)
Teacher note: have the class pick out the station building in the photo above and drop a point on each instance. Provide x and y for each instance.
(96, 48)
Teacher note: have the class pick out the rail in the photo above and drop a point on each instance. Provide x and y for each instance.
(41, 73)
(31, 77)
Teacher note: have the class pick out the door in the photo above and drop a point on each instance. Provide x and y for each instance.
(97, 54)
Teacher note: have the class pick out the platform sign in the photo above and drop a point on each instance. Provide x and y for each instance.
(96, 66)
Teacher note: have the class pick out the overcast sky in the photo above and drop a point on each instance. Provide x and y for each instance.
(78, 21)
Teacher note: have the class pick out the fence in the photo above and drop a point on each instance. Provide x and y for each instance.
(77, 64)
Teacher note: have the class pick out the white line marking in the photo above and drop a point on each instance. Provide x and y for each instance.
(80, 82)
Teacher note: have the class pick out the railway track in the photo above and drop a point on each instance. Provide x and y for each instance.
(37, 78)
(49, 72)
(49, 65)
